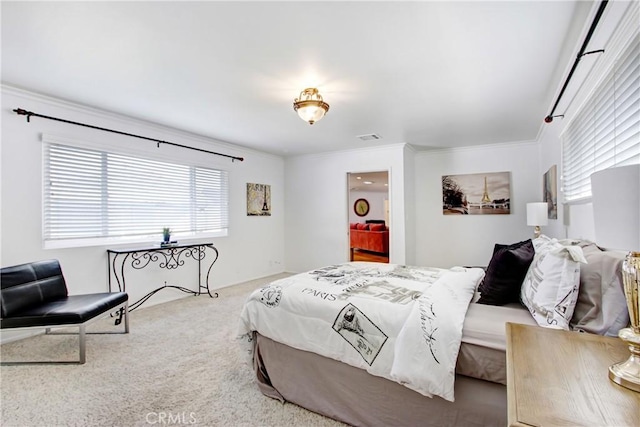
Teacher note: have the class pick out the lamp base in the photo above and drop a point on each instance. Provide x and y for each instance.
(536, 232)
(627, 374)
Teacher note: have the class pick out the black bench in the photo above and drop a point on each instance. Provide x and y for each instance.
(34, 295)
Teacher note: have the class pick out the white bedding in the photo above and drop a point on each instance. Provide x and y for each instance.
(398, 322)
(484, 325)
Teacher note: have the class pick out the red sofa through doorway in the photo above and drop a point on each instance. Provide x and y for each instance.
(369, 237)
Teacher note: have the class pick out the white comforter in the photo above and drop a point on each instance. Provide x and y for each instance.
(399, 322)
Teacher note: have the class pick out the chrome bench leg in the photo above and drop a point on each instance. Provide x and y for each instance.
(126, 318)
(82, 336)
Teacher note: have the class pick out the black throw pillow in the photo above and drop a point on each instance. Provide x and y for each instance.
(505, 273)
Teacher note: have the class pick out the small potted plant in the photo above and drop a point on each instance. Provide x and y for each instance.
(166, 234)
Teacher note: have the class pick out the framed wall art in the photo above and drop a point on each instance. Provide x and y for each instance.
(550, 191)
(477, 194)
(258, 200)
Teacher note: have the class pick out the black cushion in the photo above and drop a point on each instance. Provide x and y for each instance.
(69, 310)
(505, 273)
(29, 285)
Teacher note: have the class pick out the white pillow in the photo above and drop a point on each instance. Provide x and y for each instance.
(550, 288)
(542, 244)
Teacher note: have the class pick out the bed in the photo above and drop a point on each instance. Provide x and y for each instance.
(382, 344)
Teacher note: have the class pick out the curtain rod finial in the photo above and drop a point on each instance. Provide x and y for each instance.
(550, 118)
(23, 112)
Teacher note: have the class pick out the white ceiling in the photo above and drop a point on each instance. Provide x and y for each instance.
(431, 74)
(369, 181)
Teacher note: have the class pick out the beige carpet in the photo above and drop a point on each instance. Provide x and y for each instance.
(180, 365)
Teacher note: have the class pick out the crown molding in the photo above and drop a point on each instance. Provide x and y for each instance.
(482, 147)
(376, 148)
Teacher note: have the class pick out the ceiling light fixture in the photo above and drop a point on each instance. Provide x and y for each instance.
(310, 106)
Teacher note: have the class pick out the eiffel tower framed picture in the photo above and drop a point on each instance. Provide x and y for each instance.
(258, 199)
(477, 194)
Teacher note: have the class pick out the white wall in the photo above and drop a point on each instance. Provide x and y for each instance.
(448, 240)
(317, 204)
(254, 247)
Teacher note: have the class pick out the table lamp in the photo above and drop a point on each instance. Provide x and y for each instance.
(537, 214)
(616, 214)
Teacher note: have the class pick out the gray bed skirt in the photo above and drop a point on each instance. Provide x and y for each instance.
(355, 397)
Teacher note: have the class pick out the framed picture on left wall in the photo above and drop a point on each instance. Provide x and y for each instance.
(258, 199)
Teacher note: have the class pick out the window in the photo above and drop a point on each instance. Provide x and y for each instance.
(93, 197)
(606, 132)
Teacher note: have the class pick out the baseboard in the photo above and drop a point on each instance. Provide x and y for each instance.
(269, 277)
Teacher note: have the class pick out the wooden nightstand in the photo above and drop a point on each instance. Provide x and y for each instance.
(560, 378)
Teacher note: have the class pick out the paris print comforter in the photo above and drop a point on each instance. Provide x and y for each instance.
(403, 323)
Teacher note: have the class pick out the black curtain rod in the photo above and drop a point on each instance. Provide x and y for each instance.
(29, 114)
(582, 53)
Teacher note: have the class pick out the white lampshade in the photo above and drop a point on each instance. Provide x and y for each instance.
(616, 207)
(537, 213)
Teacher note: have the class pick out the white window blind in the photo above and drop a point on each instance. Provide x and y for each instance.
(93, 194)
(606, 132)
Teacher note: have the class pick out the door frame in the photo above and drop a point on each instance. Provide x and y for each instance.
(388, 217)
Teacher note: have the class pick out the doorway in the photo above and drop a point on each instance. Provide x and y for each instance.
(369, 216)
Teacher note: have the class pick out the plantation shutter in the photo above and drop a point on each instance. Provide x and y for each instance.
(91, 194)
(606, 132)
